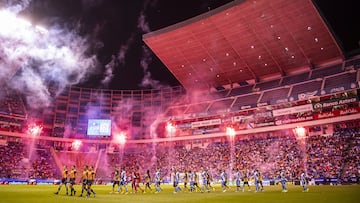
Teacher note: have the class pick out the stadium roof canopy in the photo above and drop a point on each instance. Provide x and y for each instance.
(244, 41)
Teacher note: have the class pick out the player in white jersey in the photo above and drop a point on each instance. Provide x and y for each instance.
(224, 179)
(192, 180)
(123, 182)
(157, 178)
(283, 181)
(204, 181)
(303, 182)
(256, 180)
(176, 181)
(238, 177)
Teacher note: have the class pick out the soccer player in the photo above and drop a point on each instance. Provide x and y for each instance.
(84, 180)
(64, 179)
(133, 180)
(238, 177)
(157, 180)
(72, 180)
(261, 177)
(303, 182)
(283, 181)
(208, 181)
(204, 181)
(196, 182)
(246, 180)
(192, 180)
(137, 180)
(256, 180)
(147, 181)
(116, 180)
(176, 181)
(123, 182)
(185, 179)
(90, 181)
(224, 179)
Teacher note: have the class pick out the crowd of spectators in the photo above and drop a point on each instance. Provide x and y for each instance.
(43, 167)
(327, 157)
(11, 156)
(17, 162)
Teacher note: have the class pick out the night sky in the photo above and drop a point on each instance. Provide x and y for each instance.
(115, 29)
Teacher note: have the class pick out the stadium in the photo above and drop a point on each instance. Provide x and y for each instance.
(266, 88)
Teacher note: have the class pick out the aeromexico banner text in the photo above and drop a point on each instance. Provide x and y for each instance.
(206, 123)
(292, 110)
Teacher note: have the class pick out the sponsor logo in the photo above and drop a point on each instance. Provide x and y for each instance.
(307, 95)
(334, 103)
(337, 89)
(245, 107)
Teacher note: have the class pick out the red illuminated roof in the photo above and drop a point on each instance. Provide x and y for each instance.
(245, 40)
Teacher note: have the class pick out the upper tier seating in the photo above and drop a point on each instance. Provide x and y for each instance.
(310, 86)
(323, 72)
(241, 90)
(273, 96)
(267, 85)
(292, 79)
(340, 80)
(195, 108)
(220, 105)
(245, 100)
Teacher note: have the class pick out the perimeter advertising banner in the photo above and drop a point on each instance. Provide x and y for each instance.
(337, 113)
(325, 104)
(293, 110)
(206, 123)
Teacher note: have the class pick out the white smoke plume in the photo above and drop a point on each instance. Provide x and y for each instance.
(109, 69)
(32, 57)
(17, 6)
(146, 58)
(116, 61)
(147, 81)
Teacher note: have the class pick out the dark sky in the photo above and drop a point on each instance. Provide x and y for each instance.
(115, 29)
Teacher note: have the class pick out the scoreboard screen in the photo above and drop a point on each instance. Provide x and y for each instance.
(99, 127)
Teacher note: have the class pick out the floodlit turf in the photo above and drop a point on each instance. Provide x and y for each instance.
(317, 194)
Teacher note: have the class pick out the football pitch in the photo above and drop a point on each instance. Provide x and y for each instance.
(317, 194)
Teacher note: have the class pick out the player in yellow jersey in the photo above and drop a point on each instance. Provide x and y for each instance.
(261, 178)
(64, 177)
(84, 180)
(185, 180)
(116, 180)
(90, 181)
(72, 180)
(147, 181)
(246, 180)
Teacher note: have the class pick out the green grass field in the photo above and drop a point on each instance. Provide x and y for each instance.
(318, 194)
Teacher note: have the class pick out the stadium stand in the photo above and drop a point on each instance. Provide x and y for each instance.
(263, 113)
(326, 71)
(242, 90)
(340, 80)
(297, 78)
(245, 100)
(268, 84)
(220, 105)
(275, 96)
(311, 88)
